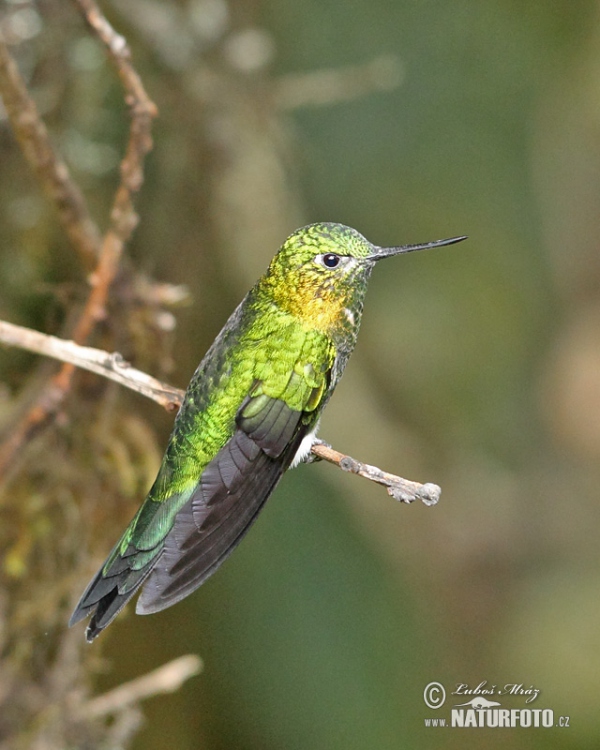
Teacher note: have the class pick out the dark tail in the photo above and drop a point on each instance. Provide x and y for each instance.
(109, 592)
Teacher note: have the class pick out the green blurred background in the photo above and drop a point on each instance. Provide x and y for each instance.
(477, 367)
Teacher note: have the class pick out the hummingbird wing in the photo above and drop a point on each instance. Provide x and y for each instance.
(232, 490)
(177, 541)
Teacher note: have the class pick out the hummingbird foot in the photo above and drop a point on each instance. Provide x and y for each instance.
(311, 457)
(304, 452)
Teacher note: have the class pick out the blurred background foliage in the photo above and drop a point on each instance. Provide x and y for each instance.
(478, 366)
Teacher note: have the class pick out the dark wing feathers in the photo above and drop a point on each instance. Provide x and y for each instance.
(232, 489)
(227, 470)
(272, 427)
(199, 527)
(183, 568)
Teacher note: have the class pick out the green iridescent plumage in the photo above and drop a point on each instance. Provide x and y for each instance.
(251, 410)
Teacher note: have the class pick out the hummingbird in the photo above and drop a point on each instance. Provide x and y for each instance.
(250, 412)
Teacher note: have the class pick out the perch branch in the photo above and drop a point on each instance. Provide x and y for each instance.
(113, 366)
(166, 679)
(400, 489)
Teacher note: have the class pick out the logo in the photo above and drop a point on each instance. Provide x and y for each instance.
(481, 709)
(479, 702)
(434, 695)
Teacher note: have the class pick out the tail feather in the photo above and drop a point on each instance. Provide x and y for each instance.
(107, 594)
(193, 532)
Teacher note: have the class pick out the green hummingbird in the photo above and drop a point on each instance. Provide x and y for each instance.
(250, 412)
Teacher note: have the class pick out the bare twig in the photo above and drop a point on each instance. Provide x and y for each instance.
(400, 489)
(50, 169)
(114, 367)
(166, 679)
(111, 366)
(123, 220)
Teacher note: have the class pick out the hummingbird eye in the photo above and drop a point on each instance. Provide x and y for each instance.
(330, 260)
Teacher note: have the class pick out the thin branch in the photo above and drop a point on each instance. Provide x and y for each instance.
(123, 220)
(52, 172)
(113, 366)
(142, 111)
(123, 217)
(400, 489)
(166, 679)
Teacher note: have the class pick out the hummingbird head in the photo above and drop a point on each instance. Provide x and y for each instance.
(320, 274)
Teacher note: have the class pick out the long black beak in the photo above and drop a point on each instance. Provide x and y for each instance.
(386, 252)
